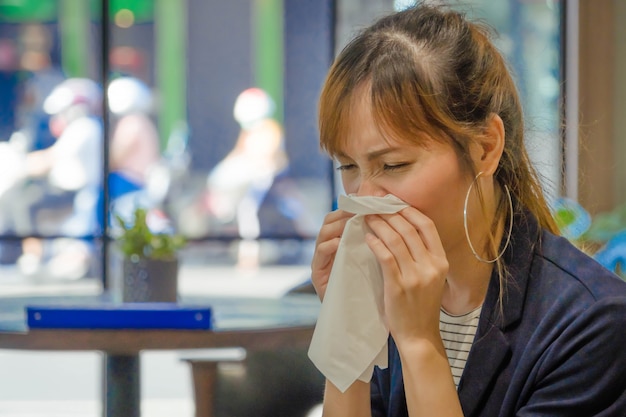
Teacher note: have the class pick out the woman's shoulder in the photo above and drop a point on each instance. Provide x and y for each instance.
(565, 267)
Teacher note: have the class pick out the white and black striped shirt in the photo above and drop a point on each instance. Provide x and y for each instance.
(458, 334)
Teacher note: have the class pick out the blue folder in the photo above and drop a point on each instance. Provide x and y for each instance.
(119, 316)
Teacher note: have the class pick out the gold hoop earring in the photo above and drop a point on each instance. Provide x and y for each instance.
(467, 236)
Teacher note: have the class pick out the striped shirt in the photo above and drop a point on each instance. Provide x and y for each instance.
(457, 333)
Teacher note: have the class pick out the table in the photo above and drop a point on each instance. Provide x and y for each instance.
(250, 323)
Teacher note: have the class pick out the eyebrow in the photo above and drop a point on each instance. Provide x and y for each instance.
(372, 155)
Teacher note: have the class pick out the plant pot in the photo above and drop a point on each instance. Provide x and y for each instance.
(149, 280)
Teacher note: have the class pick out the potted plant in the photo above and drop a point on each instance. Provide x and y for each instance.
(150, 260)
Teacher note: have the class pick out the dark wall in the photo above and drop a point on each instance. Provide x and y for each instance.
(309, 39)
(219, 68)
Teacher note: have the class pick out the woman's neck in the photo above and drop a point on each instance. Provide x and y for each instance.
(466, 285)
(468, 277)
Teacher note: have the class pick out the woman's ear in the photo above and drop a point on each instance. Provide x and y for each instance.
(487, 150)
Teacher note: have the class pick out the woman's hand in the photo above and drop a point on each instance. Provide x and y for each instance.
(414, 266)
(326, 247)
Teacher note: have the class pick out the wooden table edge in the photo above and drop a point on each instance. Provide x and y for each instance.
(132, 341)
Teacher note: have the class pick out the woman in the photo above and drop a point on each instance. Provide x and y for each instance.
(421, 106)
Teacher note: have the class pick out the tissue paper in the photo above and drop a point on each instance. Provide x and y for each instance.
(350, 337)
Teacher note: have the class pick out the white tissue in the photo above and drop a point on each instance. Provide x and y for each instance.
(350, 337)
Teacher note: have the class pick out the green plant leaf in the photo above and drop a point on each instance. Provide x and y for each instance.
(137, 239)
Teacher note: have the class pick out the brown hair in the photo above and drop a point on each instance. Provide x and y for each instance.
(430, 70)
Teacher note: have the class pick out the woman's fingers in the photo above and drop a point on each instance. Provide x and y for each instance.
(403, 236)
(425, 227)
(326, 247)
(333, 225)
(414, 266)
(413, 229)
(391, 249)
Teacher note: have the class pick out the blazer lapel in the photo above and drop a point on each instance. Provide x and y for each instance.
(487, 357)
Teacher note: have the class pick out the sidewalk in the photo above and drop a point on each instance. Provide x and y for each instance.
(60, 384)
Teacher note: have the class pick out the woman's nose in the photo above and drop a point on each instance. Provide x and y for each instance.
(368, 187)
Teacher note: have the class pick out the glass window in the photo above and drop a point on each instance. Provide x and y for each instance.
(51, 140)
(529, 38)
(203, 112)
(529, 35)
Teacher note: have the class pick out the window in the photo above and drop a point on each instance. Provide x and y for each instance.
(210, 122)
(529, 36)
(180, 68)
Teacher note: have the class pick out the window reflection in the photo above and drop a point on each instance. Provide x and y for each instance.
(51, 142)
(173, 141)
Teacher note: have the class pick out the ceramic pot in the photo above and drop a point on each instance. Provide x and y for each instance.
(150, 280)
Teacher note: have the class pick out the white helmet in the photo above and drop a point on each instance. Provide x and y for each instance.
(252, 106)
(129, 95)
(74, 91)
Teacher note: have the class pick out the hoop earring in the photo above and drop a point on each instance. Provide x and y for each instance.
(508, 238)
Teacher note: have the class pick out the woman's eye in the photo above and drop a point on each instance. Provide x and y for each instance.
(345, 167)
(393, 167)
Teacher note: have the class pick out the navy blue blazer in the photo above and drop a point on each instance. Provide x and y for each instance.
(556, 348)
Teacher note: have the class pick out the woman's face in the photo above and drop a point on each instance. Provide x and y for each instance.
(426, 176)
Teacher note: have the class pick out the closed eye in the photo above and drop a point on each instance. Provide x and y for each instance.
(346, 167)
(393, 167)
